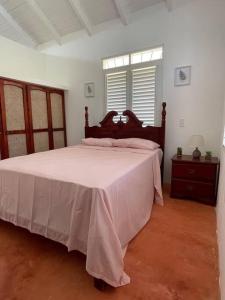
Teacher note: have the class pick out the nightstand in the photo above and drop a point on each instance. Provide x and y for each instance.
(195, 179)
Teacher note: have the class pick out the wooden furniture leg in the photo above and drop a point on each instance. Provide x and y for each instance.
(100, 284)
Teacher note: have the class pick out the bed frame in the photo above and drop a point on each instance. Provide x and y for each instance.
(121, 130)
(132, 128)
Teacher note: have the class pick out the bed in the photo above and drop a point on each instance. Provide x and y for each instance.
(89, 198)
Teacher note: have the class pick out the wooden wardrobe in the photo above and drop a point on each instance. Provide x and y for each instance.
(32, 118)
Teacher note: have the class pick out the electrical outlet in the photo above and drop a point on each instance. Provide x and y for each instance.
(181, 123)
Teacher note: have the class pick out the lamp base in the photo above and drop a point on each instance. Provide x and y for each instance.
(196, 154)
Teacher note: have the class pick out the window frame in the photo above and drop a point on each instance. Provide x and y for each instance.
(128, 69)
(132, 52)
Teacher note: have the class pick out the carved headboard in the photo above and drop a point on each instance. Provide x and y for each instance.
(132, 128)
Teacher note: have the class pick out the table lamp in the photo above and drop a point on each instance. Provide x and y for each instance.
(196, 141)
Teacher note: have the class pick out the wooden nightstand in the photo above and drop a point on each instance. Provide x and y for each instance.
(195, 179)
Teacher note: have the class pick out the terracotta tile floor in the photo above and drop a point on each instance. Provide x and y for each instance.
(173, 258)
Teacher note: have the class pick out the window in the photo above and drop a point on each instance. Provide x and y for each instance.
(115, 62)
(116, 89)
(133, 81)
(144, 56)
(144, 94)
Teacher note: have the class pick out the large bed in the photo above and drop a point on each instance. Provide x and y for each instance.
(89, 198)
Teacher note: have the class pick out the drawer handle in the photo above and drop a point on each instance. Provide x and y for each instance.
(190, 188)
(191, 171)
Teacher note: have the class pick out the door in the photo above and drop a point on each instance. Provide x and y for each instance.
(14, 124)
(41, 135)
(58, 118)
(32, 118)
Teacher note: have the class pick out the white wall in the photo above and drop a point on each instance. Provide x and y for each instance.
(192, 34)
(221, 226)
(21, 63)
(82, 72)
(221, 219)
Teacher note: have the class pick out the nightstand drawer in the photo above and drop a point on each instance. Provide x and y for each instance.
(194, 171)
(204, 192)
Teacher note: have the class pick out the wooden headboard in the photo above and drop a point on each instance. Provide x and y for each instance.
(132, 128)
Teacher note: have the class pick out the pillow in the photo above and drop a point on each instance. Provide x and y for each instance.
(105, 142)
(135, 143)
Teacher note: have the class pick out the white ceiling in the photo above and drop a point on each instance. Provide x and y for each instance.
(36, 22)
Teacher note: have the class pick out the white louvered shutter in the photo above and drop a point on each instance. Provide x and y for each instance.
(116, 92)
(144, 94)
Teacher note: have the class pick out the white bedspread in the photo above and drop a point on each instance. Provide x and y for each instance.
(91, 199)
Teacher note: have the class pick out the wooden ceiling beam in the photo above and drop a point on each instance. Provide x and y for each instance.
(82, 16)
(17, 27)
(121, 12)
(36, 8)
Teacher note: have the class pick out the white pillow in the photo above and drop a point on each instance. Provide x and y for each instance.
(135, 143)
(104, 142)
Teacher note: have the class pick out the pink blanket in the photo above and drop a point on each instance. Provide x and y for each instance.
(91, 199)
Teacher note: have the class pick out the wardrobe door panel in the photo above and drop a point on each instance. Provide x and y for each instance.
(14, 108)
(14, 115)
(58, 119)
(57, 110)
(39, 118)
(59, 140)
(32, 118)
(41, 141)
(17, 145)
(39, 109)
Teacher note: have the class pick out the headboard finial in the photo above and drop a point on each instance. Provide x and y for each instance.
(86, 117)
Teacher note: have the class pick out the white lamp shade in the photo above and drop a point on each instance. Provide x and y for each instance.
(196, 141)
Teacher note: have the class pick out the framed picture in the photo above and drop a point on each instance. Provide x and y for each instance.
(183, 76)
(89, 89)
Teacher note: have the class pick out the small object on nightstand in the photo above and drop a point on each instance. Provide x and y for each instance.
(195, 179)
(196, 141)
(208, 155)
(179, 151)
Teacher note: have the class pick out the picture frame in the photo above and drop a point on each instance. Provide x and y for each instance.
(89, 89)
(182, 76)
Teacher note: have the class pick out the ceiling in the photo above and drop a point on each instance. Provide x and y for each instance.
(37, 22)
